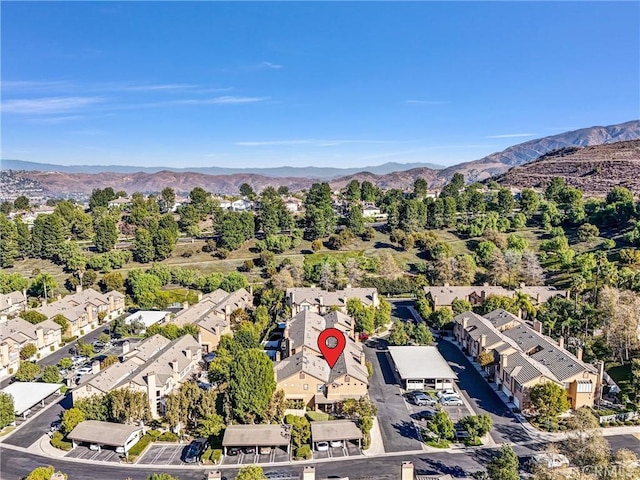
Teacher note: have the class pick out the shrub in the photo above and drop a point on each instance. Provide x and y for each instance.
(302, 453)
(187, 253)
(58, 441)
(168, 437)
(222, 253)
(216, 456)
(154, 434)
(138, 448)
(317, 416)
(69, 339)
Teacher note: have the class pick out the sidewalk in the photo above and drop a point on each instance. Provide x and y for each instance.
(377, 447)
(44, 447)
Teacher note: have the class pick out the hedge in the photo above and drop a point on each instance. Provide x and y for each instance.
(303, 453)
(57, 440)
(317, 416)
(168, 437)
(141, 445)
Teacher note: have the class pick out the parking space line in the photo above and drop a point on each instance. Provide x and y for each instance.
(272, 457)
(173, 455)
(344, 450)
(159, 454)
(240, 458)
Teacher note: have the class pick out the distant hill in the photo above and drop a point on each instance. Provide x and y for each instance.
(53, 180)
(595, 169)
(305, 172)
(500, 162)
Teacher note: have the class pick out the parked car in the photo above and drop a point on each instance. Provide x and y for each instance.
(426, 414)
(451, 401)
(84, 371)
(448, 392)
(322, 446)
(232, 452)
(120, 450)
(248, 450)
(95, 447)
(461, 434)
(195, 449)
(422, 399)
(335, 443)
(265, 450)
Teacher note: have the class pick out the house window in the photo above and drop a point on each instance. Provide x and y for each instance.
(305, 386)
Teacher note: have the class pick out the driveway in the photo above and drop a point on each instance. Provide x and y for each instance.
(163, 454)
(34, 427)
(481, 396)
(399, 433)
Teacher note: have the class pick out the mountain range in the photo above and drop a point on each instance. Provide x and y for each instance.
(54, 180)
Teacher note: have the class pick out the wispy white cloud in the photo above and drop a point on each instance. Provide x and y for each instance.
(56, 120)
(254, 67)
(88, 132)
(36, 85)
(425, 102)
(47, 105)
(273, 66)
(513, 135)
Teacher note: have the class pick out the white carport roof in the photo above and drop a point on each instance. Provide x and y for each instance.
(103, 433)
(148, 317)
(256, 436)
(27, 394)
(415, 362)
(335, 430)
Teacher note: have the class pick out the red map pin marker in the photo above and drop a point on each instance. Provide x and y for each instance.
(332, 351)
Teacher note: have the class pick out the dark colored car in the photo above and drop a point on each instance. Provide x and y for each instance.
(248, 450)
(195, 449)
(232, 452)
(425, 414)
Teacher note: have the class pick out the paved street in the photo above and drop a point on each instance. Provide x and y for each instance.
(35, 427)
(630, 442)
(398, 430)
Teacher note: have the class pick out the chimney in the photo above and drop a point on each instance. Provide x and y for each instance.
(321, 300)
(112, 303)
(185, 305)
(151, 394)
(363, 359)
(483, 340)
(278, 356)
(579, 354)
(95, 367)
(446, 284)
(24, 293)
(79, 288)
(465, 322)
(561, 342)
(58, 297)
(520, 313)
(39, 337)
(504, 361)
(537, 326)
(199, 296)
(348, 285)
(188, 353)
(485, 284)
(174, 365)
(89, 311)
(125, 347)
(538, 298)
(251, 290)
(522, 284)
(309, 473)
(376, 302)
(406, 471)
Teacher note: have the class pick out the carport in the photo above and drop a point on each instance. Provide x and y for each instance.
(256, 436)
(335, 430)
(29, 394)
(422, 367)
(105, 433)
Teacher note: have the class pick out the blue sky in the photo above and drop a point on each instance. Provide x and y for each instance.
(324, 84)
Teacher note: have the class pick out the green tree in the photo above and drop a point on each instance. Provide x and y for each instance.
(42, 285)
(106, 233)
(7, 410)
(586, 232)
(51, 374)
(28, 351)
(273, 215)
(234, 281)
(460, 306)
(251, 472)
(476, 425)
(143, 248)
(251, 385)
(167, 199)
(65, 363)
(550, 400)
(211, 425)
(398, 334)
(422, 335)
(246, 190)
(70, 419)
(47, 236)
(129, 406)
(23, 238)
(355, 220)
(320, 219)
(442, 425)
(352, 192)
(21, 203)
(112, 281)
(8, 242)
(505, 202)
(420, 187)
(300, 430)
(161, 476)
(529, 201)
(504, 466)
(41, 473)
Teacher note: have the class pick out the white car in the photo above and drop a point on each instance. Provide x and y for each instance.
(451, 401)
(94, 446)
(84, 371)
(322, 446)
(335, 443)
(449, 392)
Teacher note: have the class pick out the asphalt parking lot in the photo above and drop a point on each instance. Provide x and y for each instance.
(349, 449)
(455, 413)
(104, 455)
(163, 454)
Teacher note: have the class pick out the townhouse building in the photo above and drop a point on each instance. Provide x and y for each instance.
(322, 301)
(157, 367)
(444, 296)
(12, 303)
(304, 375)
(523, 357)
(212, 315)
(16, 333)
(85, 309)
